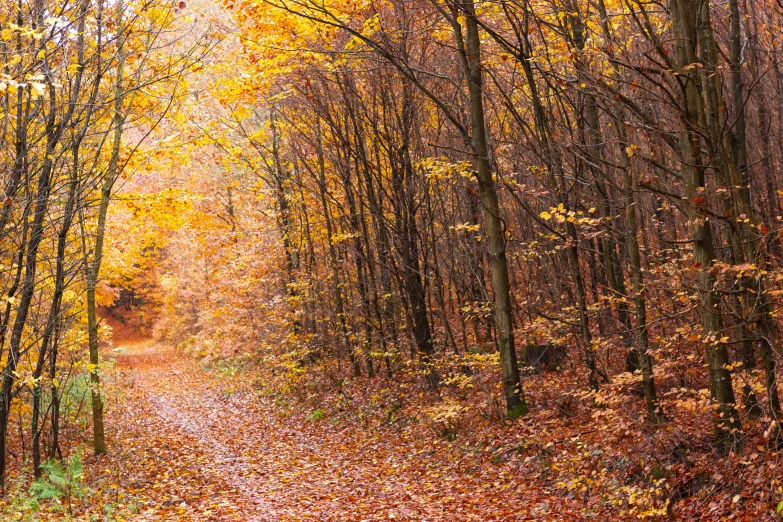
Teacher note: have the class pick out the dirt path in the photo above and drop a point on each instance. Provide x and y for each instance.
(169, 435)
(195, 447)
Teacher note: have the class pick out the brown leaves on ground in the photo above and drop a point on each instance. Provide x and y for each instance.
(193, 444)
(196, 447)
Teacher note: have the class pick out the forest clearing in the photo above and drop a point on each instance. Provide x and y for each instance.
(351, 260)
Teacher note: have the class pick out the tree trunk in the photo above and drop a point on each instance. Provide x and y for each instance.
(726, 419)
(493, 224)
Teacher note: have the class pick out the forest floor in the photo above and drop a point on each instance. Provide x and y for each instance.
(195, 445)
(195, 441)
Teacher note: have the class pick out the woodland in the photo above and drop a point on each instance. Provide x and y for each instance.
(437, 260)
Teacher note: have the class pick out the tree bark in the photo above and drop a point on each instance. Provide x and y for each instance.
(493, 224)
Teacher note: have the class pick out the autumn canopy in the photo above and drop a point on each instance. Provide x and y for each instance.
(391, 259)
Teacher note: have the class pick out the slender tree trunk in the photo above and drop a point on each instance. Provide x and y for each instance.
(753, 297)
(654, 410)
(282, 180)
(594, 141)
(726, 419)
(493, 223)
(336, 279)
(93, 269)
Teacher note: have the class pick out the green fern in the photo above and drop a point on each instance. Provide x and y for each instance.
(61, 480)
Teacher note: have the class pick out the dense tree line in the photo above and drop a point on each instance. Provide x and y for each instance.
(461, 177)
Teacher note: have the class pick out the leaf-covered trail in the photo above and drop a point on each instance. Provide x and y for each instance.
(196, 446)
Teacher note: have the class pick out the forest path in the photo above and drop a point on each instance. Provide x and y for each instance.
(178, 434)
(197, 446)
